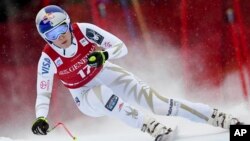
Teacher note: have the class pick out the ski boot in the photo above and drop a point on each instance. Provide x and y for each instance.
(159, 131)
(223, 120)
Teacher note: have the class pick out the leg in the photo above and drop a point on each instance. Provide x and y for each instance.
(101, 101)
(80, 97)
(130, 88)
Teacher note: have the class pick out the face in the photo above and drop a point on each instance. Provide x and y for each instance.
(64, 40)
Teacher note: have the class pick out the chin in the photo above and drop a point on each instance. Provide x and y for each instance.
(66, 45)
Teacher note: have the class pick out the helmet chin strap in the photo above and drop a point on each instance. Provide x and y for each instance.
(72, 37)
(71, 31)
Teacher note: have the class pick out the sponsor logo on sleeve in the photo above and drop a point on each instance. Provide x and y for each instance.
(107, 44)
(46, 65)
(84, 41)
(58, 62)
(93, 35)
(44, 85)
(110, 105)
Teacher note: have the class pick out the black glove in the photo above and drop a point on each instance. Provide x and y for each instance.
(97, 58)
(40, 126)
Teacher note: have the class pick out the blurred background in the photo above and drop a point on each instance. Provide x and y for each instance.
(199, 42)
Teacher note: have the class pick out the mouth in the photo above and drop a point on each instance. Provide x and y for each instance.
(64, 42)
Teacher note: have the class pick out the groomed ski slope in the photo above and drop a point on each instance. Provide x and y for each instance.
(108, 129)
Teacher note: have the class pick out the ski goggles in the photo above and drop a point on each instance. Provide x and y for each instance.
(55, 33)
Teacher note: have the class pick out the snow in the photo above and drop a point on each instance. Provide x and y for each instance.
(108, 129)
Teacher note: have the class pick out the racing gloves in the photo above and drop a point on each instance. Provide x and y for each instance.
(40, 126)
(97, 58)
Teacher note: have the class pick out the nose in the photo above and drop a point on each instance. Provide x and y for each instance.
(61, 37)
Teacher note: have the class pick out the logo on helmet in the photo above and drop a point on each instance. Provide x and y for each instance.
(48, 17)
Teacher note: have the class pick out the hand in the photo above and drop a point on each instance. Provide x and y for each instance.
(40, 126)
(97, 58)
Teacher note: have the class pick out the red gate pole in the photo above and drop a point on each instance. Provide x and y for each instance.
(242, 36)
(236, 45)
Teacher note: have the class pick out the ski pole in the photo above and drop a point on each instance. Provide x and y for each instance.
(65, 128)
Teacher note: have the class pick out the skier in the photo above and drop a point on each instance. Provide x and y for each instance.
(79, 54)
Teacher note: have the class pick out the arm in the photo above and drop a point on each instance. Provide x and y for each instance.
(45, 75)
(110, 43)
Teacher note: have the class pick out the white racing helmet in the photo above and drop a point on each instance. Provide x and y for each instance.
(49, 19)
